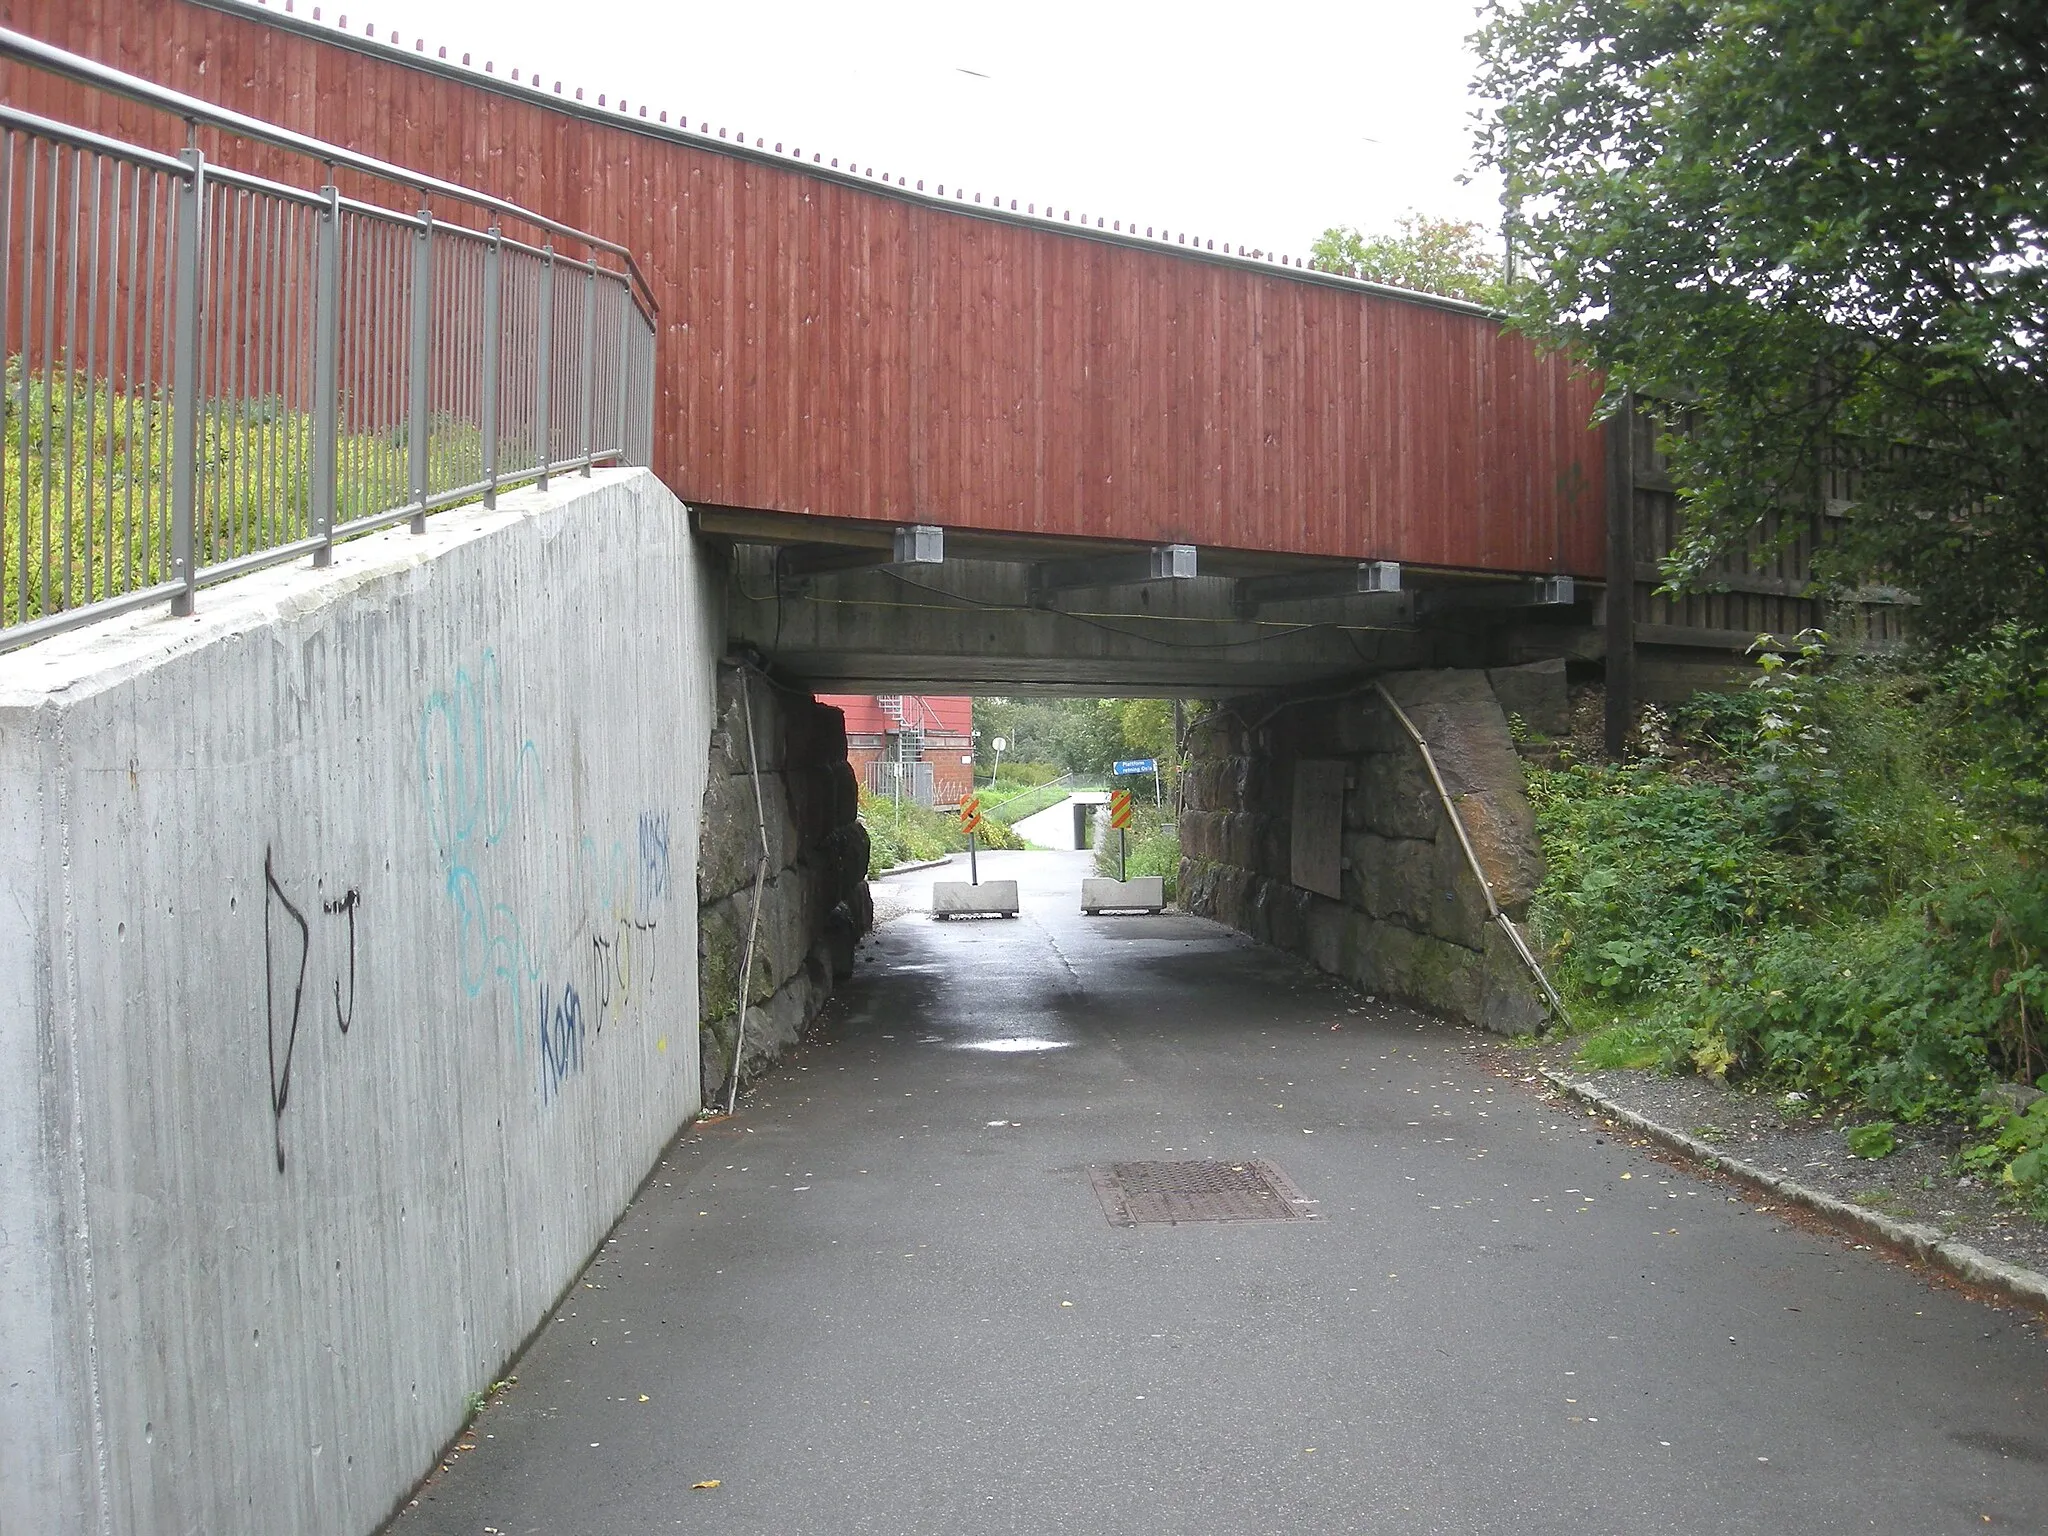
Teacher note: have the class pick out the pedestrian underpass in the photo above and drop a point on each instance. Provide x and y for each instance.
(1378, 827)
(890, 1296)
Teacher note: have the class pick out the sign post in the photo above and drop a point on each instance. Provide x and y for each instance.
(1145, 894)
(969, 897)
(1144, 765)
(1120, 819)
(970, 823)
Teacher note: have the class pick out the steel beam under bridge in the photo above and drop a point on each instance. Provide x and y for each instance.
(847, 606)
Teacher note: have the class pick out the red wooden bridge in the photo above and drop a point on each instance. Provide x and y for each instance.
(840, 346)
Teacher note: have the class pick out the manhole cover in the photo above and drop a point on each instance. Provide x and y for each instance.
(1250, 1189)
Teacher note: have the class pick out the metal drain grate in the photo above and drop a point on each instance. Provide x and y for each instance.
(1251, 1189)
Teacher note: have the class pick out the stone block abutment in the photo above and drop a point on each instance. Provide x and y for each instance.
(1312, 822)
(781, 876)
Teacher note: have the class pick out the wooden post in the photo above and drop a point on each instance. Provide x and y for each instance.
(1621, 577)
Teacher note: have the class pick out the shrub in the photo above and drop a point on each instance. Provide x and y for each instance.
(1833, 888)
(911, 833)
(1153, 848)
(2018, 1154)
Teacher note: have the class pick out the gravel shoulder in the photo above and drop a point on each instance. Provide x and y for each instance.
(1915, 1184)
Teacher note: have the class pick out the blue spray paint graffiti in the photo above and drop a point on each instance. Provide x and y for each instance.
(502, 867)
(475, 785)
(561, 1039)
(653, 857)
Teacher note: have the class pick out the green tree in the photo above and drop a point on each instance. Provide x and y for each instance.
(1441, 256)
(1822, 226)
(1082, 736)
(1147, 726)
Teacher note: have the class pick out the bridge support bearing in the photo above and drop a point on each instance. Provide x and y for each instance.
(1311, 823)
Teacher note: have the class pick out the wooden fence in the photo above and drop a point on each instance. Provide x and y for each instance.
(1662, 645)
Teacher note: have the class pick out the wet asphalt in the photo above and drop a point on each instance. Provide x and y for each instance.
(885, 1298)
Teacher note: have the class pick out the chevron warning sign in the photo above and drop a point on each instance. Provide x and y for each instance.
(1119, 808)
(970, 815)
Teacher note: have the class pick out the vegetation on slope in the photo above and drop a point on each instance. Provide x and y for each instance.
(909, 833)
(85, 484)
(1830, 883)
(1154, 847)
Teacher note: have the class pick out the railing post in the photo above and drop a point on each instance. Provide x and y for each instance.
(543, 402)
(417, 422)
(650, 381)
(326, 372)
(493, 307)
(628, 313)
(589, 383)
(185, 385)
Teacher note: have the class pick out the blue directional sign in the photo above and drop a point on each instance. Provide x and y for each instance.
(1139, 765)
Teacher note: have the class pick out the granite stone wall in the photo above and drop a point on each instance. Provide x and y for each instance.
(815, 906)
(1404, 917)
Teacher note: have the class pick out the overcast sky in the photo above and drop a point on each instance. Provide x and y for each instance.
(1258, 125)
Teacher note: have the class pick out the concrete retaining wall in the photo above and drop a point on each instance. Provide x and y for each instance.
(1406, 918)
(348, 987)
(815, 905)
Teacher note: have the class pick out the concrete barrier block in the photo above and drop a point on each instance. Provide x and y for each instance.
(1145, 893)
(991, 898)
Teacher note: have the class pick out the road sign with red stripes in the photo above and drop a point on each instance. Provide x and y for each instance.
(970, 815)
(1119, 808)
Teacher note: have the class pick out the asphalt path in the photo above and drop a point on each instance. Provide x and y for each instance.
(885, 1298)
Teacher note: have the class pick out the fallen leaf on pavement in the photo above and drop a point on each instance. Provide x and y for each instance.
(709, 1482)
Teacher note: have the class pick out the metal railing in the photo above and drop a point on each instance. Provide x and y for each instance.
(912, 779)
(207, 371)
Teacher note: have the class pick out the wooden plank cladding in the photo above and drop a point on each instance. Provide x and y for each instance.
(1766, 589)
(834, 346)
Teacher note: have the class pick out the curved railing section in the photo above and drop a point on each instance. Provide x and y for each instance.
(208, 371)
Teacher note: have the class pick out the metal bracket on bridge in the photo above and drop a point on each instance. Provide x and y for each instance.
(1163, 562)
(1535, 592)
(915, 544)
(1380, 578)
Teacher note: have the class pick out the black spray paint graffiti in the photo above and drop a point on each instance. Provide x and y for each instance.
(567, 1024)
(283, 922)
(348, 905)
(274, 898)
(612, 975)
(561, 1038)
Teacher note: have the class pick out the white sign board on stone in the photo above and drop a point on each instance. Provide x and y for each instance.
(1317, 862)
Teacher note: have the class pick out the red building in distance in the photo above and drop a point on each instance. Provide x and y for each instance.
(926, 743)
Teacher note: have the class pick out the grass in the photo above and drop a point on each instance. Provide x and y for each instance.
(909, 833)
(1013, 808)
(1629, 1047)
(86, 485)
(1154, 848)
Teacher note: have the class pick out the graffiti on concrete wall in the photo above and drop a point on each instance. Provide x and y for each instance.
(288, 947)
(653, 857)
(479, 784)
(555, 921)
